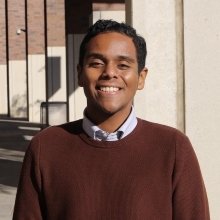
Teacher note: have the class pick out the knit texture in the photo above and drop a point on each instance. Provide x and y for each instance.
(152, 174)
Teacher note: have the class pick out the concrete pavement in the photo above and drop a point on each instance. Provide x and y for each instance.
(14, 139)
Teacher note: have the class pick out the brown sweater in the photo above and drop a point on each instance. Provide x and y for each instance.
(152, 174)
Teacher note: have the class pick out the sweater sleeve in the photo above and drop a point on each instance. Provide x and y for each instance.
(28, 203)
(189, 194)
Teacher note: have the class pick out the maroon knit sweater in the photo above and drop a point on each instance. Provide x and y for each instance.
(152, 174)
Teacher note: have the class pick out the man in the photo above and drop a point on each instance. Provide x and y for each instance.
(111, 165)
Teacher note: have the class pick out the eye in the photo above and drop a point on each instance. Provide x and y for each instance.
(95, 64)
(123, 66)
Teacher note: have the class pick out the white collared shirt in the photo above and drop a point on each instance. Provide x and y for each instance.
(96, 133)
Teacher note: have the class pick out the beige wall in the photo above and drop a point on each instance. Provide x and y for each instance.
(37, 88)
(18, 88)
(59, 54)
(77, 100)
(158, 101)
(193, 104)
(117, 15)
(202, 77)
(3, 90)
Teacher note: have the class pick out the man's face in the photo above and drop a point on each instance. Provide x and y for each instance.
(109, 74)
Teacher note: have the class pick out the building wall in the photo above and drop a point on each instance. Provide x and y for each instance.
(77, 100)
(46, 55)
(33, 79)
(76, 27)
(36, 57)
(3, 67)
(36, 27)
(16, 20)
(182, 87)
(56, 56)
(17, 59)
(158, 101)
(202, 90)
(2, 33)
(55, 23)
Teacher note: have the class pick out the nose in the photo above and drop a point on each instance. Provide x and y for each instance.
(109, 71)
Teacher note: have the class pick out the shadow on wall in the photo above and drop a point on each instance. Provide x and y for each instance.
(14, 139)
(54, 75)
(19, 106)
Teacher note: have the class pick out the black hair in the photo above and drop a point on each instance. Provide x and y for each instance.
(103, 26)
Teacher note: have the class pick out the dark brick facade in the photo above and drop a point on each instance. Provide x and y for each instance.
(55, 19)
(36, 30)
(61, 17)
(2, 33)
(16, 20)
(55, 23)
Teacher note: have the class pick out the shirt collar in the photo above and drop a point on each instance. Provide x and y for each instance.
(96, 133)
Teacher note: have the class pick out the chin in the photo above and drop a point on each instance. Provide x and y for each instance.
(111, 110)
(108, 111)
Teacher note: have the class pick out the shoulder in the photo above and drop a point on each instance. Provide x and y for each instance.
(173, 139)
(54, 139)
(55, 134)
(167, 138)
(162, 132)
(74, 128)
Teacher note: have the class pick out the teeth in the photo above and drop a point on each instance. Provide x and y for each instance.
(109, 89)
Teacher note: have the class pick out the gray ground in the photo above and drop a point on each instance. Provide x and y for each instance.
(14, 139)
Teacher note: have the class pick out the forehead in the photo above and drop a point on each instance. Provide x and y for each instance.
(112, 43)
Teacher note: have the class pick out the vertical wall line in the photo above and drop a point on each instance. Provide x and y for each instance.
(67, 60)
(7, 57)
(46, 60)
(129, 12)
(183, 54)
(26, 51)
(180, 65)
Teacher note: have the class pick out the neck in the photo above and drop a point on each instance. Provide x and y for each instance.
(109, 122)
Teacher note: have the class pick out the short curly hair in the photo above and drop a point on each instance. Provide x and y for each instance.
(103, 26)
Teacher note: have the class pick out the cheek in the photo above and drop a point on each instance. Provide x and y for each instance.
(91, 76)
(131, 80)
(89, 86)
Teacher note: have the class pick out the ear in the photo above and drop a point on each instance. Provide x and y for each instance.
(141, 80)
(79, 71)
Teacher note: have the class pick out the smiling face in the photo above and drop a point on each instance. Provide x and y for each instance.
(109, 75)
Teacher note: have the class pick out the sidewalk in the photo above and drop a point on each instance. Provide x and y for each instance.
(14, 139)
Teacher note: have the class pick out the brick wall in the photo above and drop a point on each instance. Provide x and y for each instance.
(35, 11)
(55, 23)
(2, 33)
(16, 19)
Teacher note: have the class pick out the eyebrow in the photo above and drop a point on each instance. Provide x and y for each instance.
(126, 58)
(95, 55)
(102, 57)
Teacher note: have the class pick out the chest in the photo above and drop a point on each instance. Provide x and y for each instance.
(110, 183)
